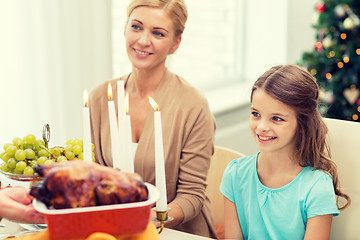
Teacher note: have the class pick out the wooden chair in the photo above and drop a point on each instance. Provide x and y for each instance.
(221, 158)
(343, 138)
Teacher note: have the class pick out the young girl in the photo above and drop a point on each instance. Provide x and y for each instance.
(288, 189)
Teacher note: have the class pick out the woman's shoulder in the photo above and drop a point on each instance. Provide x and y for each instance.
(100, 91)
(186, 90)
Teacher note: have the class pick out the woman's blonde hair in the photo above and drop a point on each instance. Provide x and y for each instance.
(297, 88)
(176, 9)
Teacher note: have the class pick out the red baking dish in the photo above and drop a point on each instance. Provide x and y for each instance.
(116, 219)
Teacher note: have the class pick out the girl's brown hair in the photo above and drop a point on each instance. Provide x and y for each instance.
(298, 89)
(176, 9)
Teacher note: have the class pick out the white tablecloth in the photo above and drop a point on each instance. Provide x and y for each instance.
(8, 227)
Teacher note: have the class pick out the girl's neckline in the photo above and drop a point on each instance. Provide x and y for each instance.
(282, 188)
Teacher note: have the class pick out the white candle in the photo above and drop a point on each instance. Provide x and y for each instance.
(87, 151)
(127, 160)
(114, 132)
(121, 101)
(160, 180)
(128, 138)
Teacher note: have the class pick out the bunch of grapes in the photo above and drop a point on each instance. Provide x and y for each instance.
(23, 154)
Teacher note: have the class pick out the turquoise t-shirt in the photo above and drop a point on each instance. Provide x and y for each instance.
(282, 213)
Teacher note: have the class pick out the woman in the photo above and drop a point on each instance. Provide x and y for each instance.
(153, 31)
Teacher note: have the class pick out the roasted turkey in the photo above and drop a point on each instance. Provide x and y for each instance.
(80, 184)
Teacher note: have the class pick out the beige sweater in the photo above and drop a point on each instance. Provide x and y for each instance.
(188, 136)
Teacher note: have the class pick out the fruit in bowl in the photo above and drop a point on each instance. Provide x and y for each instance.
(23, 154)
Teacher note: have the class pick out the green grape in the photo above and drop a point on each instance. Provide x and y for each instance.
(69, 147)
(92, 147)
(5, 157)
(93, 159)
(27, 146)
(37, 144)
(11, 150)
(43, 153)
(77, 149)
(69, 141)
(2, 154)
(17, 142)
(20, 155)
(76, 142)
(81, 155)
(18, 172)
(33, 163)
(56, 151)
(61, 159)
(28, 171)
(30, 154)
(11, 163)
(20, 166)
(30, 138)
(81, 142)
(69, 155)
(4, 168)
(7, 145)
(41, 160)
(48, 162)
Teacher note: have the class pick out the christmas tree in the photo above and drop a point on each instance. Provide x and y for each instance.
(335, 59)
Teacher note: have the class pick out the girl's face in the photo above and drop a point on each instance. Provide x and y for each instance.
(272, 123)
(150, 37)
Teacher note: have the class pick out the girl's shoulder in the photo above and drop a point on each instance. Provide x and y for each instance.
(315, 174)
(242, 164)
(312, 178)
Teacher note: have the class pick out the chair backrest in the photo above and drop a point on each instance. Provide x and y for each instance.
(221, 158)
(343, 138)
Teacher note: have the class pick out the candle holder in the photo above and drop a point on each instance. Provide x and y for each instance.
(162, 217)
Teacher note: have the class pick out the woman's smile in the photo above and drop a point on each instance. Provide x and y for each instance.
(142, 53)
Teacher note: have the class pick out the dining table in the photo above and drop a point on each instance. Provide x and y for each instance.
(10, 229)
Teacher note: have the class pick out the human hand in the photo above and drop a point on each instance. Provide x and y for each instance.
(16, 205)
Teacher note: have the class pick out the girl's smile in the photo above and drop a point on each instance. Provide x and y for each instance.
(265, 139)
(272, 123)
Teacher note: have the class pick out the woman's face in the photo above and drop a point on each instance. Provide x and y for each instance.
(150, 37)
(272, 123)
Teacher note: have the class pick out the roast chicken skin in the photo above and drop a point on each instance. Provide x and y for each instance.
(81, 184)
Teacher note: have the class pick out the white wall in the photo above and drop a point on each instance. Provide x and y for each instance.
(72, 50)
(50, 51)
(232, 126)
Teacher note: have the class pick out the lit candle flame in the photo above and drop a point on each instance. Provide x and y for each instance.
(154, 105)
(85, 98)
(127, 103)
(109, 92)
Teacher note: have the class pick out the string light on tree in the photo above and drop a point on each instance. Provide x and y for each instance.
(349, 24)
(335, 59)
(340, 11)
(320, 7)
